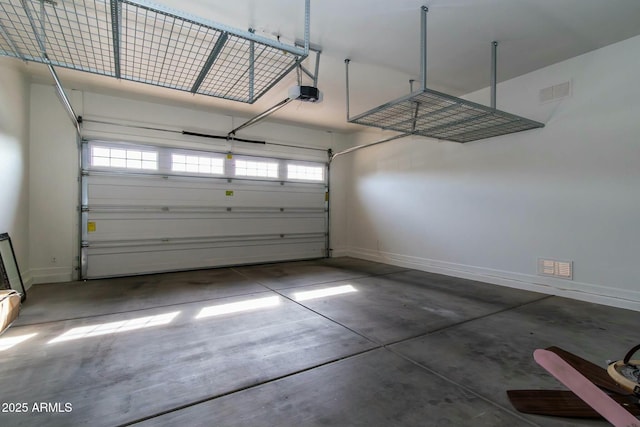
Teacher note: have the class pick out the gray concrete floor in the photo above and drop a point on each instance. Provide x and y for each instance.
(404, 348)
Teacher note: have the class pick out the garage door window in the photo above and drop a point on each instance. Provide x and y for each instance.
(123, 158)
(197, 164)
(307, 173)
(256, 169)
(104, 155)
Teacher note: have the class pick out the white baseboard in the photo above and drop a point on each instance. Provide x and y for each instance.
(50, 275)
(27, 280)
(588, 292)
(336, 253)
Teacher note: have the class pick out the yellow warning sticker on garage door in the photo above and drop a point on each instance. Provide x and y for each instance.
(229, 193)
(91, 226)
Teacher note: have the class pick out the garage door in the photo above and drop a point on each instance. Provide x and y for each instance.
(150, 209)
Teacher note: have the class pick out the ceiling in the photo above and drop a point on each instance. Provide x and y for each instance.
(382, 39)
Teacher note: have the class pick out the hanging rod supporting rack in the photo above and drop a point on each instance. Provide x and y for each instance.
(423, 47)
(346, 68)
(438, 115)
(318, 50)
(494, 72)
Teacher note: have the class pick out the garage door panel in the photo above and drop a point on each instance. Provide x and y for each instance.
(104, 262)
(275, 195)
(157, 180)
(283, 198)
(212, 214)
(153, 221)
(131, 229)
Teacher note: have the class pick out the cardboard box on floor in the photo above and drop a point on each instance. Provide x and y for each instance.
(9, 308)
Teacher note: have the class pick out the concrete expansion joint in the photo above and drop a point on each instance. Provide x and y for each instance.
(464, 387)
(241, 389)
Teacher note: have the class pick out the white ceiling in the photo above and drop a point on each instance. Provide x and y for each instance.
(382, 39)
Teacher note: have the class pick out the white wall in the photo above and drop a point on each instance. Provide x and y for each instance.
(54, 157)
(14, 160)
(53, 217)
(488, 209)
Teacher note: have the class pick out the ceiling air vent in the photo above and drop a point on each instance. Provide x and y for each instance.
(555, 92)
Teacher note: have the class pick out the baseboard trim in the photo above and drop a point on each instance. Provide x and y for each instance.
(570, 289)
(27, 280)
(50, 275)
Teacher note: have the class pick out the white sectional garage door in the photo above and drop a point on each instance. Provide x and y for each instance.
(151, 209)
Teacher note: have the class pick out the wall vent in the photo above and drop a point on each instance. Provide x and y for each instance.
(555, 92)
(554, 268)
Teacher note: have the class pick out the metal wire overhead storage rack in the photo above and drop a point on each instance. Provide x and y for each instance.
(434, 114)
(147, 43)
(438, 115)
